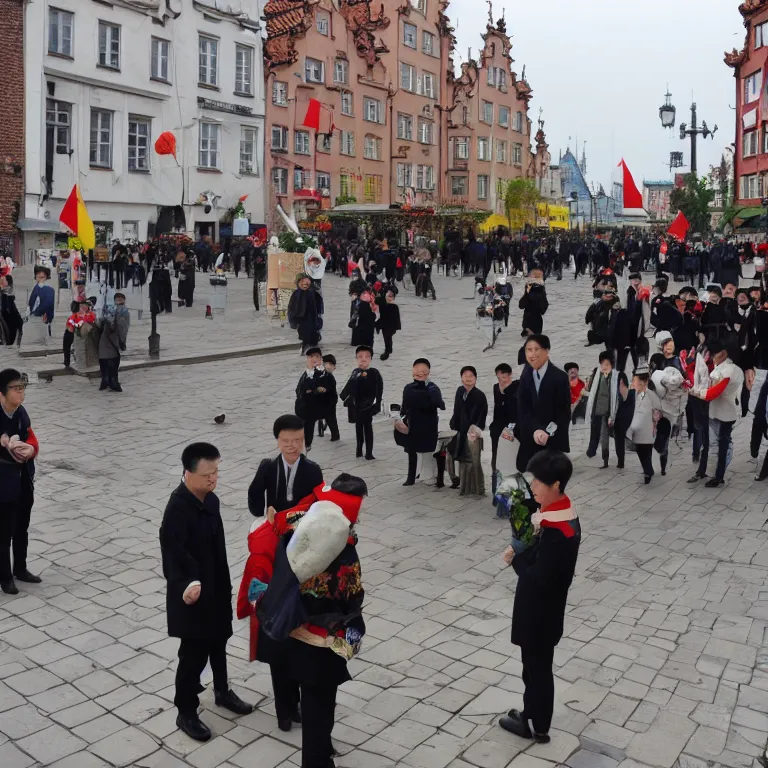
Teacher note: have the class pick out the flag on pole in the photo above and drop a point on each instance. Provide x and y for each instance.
(312, 118)
(632, 196)
(74, 216)
(679, 227)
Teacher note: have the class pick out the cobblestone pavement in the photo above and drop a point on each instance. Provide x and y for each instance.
(664, 662)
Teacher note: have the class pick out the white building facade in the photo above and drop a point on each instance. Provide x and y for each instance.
(105, 79)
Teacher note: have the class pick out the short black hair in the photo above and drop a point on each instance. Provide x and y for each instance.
(288, 422)
(605, 356)
(657, 360)
(717, 290)
(571, 366)
(47, 272)
(364, 348)
(194, 453)
(550, 467)
(329, 359)
(715, 346)
(503, 368)
(8, 375)
(351, 484)
(470, 368)
(422, 361)
(314, 351)
(540, 339)
(119, 295)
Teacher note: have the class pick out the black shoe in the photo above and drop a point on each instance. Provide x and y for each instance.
(439, 484)
(455, 483)
(605, 464)
(663, 472)
(27, 577)
(515, 723)
(761, 477)
(285, 725)
(9, 587)
(336, 439)
(591, 455)
(296, 717)
(384, 356)
(102, 387)
(648, 479)
(714, 483)
(370, 457)
(231, 701)
(116, 388)
(620, 465)
(409, 482)
(696, 478)
(194, 727)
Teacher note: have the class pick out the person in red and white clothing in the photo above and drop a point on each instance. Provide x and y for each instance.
(18, 449)
(81, 315)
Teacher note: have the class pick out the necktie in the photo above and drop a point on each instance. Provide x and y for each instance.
(288, 494)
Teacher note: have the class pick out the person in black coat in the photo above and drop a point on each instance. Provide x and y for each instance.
(545, 571)
(504, 410)
(288, 478)
(421, 401)
(186, 289)
(542, 406)
(315, 394)
(534, 303)
(363, 322)
(388, 322)
(362, 396)
(619, 340)
(199, 594)
(470, 408)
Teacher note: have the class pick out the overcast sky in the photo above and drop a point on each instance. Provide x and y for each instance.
(599, 69)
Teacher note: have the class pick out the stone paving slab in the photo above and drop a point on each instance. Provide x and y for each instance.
(664, 661)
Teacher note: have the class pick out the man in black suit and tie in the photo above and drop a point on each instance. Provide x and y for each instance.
(280, 484)
(284, 481)
(543, 399)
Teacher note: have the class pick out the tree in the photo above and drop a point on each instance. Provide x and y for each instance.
(520, 195)
(694, 200)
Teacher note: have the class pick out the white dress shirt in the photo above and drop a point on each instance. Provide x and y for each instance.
(539, 375)
(290, 475)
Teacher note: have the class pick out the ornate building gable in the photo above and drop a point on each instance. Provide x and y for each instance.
(286, 20)
(747, 9)
(463, 87)
(362, 24)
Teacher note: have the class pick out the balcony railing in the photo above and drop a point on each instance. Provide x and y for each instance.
(458, 164)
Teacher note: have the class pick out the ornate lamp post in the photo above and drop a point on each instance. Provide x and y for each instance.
(667, 112)
(667, 116)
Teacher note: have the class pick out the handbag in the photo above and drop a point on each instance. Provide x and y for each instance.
(629, 445)
(401, 438)
(281, 610)
(353, 321)
(218, 279)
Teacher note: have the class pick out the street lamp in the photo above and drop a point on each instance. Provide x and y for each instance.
(667, 116)
(667, 112)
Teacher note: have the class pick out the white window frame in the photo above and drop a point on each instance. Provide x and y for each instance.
(341, 71)
(501, 151)
(314, 70)
(404, 126)
(282, 132)
(280, 180)
(518, 122)
(209, 145)
(61, 32)
(428, 85)
(405, 174)
(324, 142)
(463, 192)
(301, 143)
(482, 186)
(372, 110)
(491, 78)
(753, 85)
(421, 6)
(372, 147)
(58, 115)
(501, 79)
(100, 149)
(347, 104)
(323, 180)
(425, 177)
(408, 77)
(347, 143)
(517, 154)
(244, 58)
(249, 150)
(765, 140)
(279, 93)
(323, 23)
(160, 59)
(507, 112)
(462, 148)
(410, 35)
(748, 191)
(208, 60)
(483, 148)
(109, 45)
(139, 145)
(426, 132)
(427, 43)
(761, 35)
(750, 143)
(301, 176)
(486, 112)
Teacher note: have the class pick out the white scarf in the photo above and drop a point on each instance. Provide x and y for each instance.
(556, 516)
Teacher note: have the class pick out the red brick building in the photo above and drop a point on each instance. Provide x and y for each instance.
(12, 119)
(749, 69)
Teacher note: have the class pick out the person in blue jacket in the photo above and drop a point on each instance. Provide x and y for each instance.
(42, 300)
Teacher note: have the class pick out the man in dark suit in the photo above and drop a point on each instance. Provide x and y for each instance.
(543, 399)
(290, 477)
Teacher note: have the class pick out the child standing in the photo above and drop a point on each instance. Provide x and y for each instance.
(81, 314)
(331, 398)
(388, 322)
(362, 396)
(311, 392)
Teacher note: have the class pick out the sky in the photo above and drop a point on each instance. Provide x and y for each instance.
(599, 70)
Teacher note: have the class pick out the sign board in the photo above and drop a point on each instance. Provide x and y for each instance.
(283, 268)
(101, 254)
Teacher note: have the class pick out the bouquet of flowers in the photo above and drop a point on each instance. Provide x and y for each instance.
(515, 502)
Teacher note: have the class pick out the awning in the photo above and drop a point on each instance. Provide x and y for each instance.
(494, 222)
(39, 225)
(745, 214)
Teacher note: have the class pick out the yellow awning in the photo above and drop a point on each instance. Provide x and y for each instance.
(494, 221)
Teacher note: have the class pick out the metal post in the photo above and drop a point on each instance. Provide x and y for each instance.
(694, 135)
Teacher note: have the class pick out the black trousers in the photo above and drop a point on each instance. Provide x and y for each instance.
(318, 708)
(645, 454)
(286, 695)
(387, 336)
(364, 433)
(539, 681)
(331, 422)
(619, 442)
(109, 368)
(413, 462)
(14, 527)
(598, 434)
(193, 656)
(309, 432)
(69, 340)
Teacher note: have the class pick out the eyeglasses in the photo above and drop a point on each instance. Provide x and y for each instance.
(18, 387)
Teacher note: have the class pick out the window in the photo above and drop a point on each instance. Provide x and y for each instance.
(60, 29)
(322, 23)
(280, 137)
(749, 188)
(462, 149)
(161, 50)
(404, 175)
(409, 35)
(324, 143)
(341, 71)
(372, 148)
(407, 77)
(138, 143)
(301, 142)
(280, 180)
(421, 6)
(58, 117)
(314, 71)
(428, 86)
(243, 69)
(109, 45)
(280, 93)
(519, 122)
(208, 60)
(347, 143)
(347, 103)
(249, 163)
(372, 111)
(483, 149)
(130, 230)
(749, 143)
(501, 79)
(765, 140)
(374, 185)
(209, 154)
(425, 177)
(486, 112)
(101, 138)
(103, 231)
(761, 34)
(517, 154)
(404, 127)
(323, 180)
(459, 186)
(752, 87)
(298, 178)
(491, 80)
(501, 151)
(464, 115)
(346, 188)
(482, 187)
(504, 113)
(428, 43)
(425, 132)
